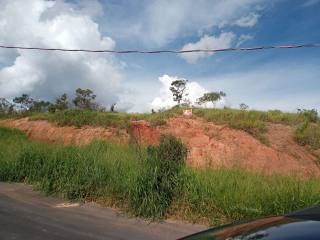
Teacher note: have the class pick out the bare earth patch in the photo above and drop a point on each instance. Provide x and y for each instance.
(209, 144)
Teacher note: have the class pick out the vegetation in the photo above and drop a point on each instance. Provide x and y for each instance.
(77, 117)
(243, 106)
(85, 99)
(178, 89)
(308, 134)
(211, 97)
(88, 112)
(152, 184)
(158, 183)
(5, 106)
(25, 101)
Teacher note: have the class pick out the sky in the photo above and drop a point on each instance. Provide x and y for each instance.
(284, 79)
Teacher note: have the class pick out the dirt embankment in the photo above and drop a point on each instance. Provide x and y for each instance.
(209, 144)
(51, 133)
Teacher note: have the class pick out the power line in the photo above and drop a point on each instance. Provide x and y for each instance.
(165, 51)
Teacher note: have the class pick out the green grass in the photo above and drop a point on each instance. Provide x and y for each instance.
(253, 122)
(149, 184)
(308, 134)
(76, 117)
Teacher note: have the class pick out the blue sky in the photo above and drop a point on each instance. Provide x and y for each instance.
(274, 79)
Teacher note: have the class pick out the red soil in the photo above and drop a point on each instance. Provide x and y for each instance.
(51, 133)
(220, 146)
(209, 144)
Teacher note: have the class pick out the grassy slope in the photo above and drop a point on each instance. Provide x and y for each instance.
(253, 122)
(110, 173)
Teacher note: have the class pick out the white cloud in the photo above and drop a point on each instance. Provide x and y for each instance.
(56, 24)
(247, 21)
(159, 22)
(165, 99)
(243, 38)
(224, 40)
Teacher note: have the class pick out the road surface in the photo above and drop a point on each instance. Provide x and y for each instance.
(27, 214)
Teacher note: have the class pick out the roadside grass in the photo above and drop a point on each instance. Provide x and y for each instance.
(155, 184)
(308, 134)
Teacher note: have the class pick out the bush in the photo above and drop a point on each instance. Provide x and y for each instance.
(308, 134)
(309, 115)
(157, 185)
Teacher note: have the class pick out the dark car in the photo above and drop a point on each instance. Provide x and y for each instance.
(302, 224)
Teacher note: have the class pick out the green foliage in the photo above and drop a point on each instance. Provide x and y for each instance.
(211, 97)
(225, 195)
(62, 102)
(40, 106)
(78, 117)
(25, 101)
(309, 115)
(308, 134)
(178, 88)
(253, 122)
(243, 106)
(85, 99)
(5, 106)
(113, 174)
(157, 185)
(243, 120)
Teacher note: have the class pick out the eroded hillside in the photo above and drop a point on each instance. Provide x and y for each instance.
(209, 144)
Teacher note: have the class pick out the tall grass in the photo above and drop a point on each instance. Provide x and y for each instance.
(155, 184)
(159, 181)
(308, 134)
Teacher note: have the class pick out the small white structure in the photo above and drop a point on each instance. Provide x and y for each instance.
(187, 112)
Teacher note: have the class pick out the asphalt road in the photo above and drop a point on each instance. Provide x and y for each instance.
(27, 214)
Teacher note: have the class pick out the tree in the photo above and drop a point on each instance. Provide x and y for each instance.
(62, 102)
(178, 88)
(39, 106)
(211, 97)
(25, 101)
(85, 99)
(6, 106)
(112, 107)
(243, 106)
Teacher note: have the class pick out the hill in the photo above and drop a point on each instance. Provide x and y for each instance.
(265, 142)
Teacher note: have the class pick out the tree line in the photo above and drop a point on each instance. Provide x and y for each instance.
(84, 99)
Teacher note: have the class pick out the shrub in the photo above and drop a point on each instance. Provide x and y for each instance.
(308, 134)
(309, 115)
(157, 185)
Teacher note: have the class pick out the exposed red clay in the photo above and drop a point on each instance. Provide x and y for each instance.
(51, 133)
(209, 144)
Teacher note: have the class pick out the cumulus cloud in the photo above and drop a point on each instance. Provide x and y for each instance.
(194, 91)
(224, 40)
(159, 22)
(247, 21)
(56, 24)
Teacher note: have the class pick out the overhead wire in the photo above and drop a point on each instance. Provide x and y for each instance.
(314, 45)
